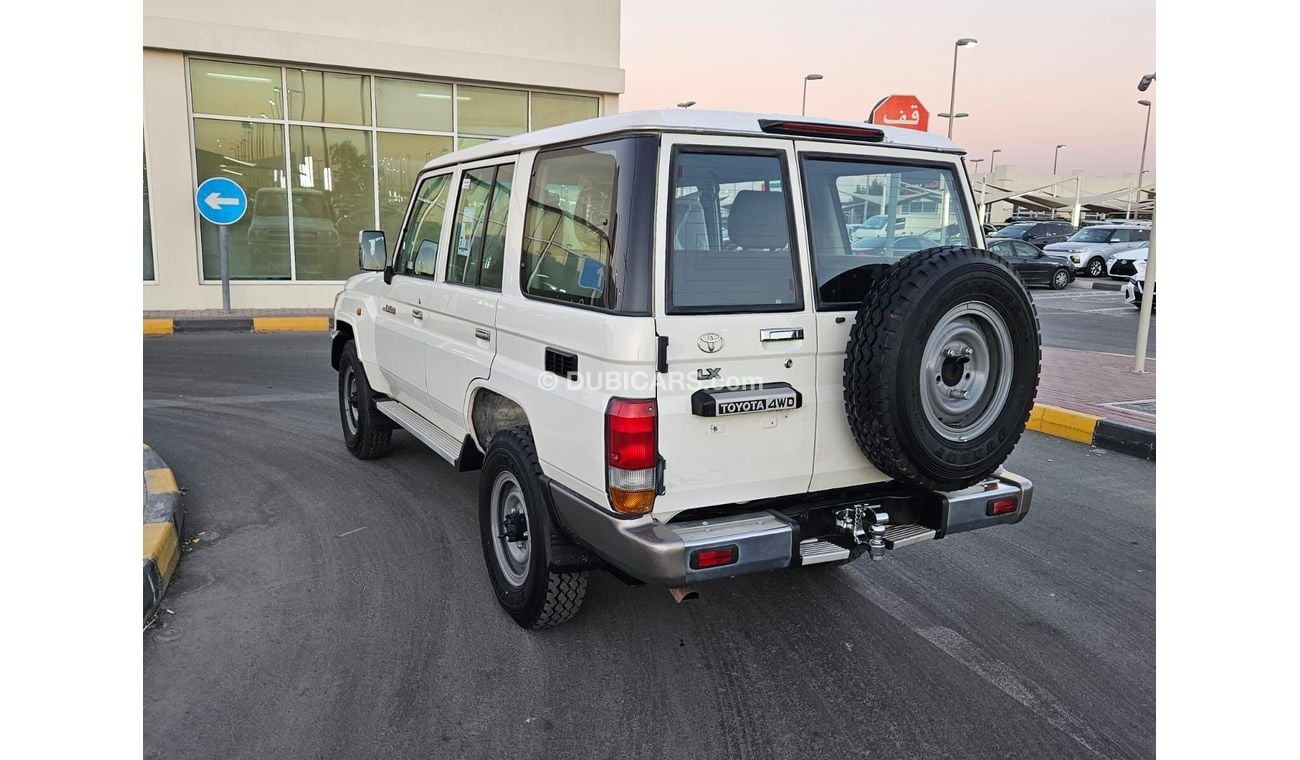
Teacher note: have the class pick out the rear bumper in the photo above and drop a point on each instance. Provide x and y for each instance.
(660, 553)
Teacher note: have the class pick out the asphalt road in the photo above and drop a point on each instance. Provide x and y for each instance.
(1090, 320)
(338, 608)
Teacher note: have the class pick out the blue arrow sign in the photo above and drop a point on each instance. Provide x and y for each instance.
(221, 201)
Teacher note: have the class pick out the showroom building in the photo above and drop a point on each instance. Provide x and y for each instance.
(324, 112)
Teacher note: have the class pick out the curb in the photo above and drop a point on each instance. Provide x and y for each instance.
(235, 325)
(163, 519)
(1104, 285)
(1093, 430)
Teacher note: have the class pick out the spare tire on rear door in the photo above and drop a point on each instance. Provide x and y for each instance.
(942, 367)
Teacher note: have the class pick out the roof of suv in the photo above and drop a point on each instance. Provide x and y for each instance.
(681, 120)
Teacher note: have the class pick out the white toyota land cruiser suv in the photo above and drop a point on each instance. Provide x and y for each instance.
(652, 335)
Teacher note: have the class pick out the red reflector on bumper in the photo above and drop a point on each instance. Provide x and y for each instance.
(1000, 507)
(717, 557)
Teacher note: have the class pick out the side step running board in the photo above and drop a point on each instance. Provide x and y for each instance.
(429, 434)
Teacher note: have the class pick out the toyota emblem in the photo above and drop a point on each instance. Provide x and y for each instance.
(710, 343)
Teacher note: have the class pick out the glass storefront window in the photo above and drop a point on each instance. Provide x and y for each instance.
(355, 144)
(490, 111)
(236, 89)
(401, 157)
(148, 228)
(328, 97)
(252, 154)
(550, 109)
(408, 104)
(333, 199)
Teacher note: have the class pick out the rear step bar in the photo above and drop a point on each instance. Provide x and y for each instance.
(815, 551)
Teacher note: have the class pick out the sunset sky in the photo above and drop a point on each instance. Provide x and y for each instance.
(1044, 72)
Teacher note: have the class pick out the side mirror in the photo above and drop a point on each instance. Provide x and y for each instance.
(372, 253)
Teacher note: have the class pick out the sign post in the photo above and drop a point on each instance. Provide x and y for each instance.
(222, 202)
(903, 111)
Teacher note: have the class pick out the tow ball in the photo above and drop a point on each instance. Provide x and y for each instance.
(864, 524)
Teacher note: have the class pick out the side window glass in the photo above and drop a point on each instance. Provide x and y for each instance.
(418, 250)
(470, 230)
(1026, 251)
(494, 243)
(1141, 234)
(729, 241)
(1121, 236)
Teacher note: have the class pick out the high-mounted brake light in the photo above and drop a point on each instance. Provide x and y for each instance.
(631, 454)
(817, 129)
(1000, 507)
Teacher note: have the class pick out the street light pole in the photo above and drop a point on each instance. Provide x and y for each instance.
(1149, 285)
(993, 158)
(1142, 165)
(952, 95)
(803, 110)
(1055, 156)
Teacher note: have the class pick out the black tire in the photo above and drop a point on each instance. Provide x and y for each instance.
(1060, 279)
(1096, 267)
(537, 597)
(366, 431)
(907, 437)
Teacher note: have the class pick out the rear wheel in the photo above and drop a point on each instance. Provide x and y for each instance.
(942, 368)
(515, 529)
(1096, 267)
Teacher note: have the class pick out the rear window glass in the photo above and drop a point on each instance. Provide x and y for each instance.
(730, 246)
(842, 191)
(588, 227)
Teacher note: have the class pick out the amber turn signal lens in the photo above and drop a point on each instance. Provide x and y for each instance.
(631, 502)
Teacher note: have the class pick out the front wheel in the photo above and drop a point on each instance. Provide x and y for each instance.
(515, 528)
(1096, 268)
(366, 432)
(1060, 278)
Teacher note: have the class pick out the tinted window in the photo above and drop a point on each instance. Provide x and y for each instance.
(1026, 251)
(729, 240)
(588, 228)
(481, 211)
(841, 190)
(1121, 236)
(418, 250)
(1141, 235)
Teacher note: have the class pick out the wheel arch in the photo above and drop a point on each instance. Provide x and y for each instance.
(343, 333)
(491, 412)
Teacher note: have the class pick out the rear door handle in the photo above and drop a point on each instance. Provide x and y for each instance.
(482, 334)
(417, 314)
(769, 334)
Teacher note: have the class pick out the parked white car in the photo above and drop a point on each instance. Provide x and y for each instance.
(1136, 285)
(1124, 264)
(1090, 247)
(650, 334)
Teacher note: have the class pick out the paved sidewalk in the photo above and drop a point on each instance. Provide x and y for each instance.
(1087, 381)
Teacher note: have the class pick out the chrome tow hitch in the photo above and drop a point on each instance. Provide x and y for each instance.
(865, 524)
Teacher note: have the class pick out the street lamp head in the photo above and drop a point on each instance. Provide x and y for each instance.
(997, 150)
(686, 104)
(813, 77)
(1146, 103)
(967, 41)
(1146, 82)
(1062, 145)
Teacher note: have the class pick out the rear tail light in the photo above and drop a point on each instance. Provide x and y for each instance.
(631, 454)
(1000, 507)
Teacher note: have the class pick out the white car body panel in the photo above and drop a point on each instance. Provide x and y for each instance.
(438, 364)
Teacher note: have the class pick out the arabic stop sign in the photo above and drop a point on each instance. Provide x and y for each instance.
(221, 201)
(903, 111)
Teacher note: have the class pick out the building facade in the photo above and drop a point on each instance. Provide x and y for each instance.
(324, 112)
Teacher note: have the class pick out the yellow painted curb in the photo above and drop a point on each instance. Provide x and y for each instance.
(1062, 423)
(160, 481)
(291, 324)
(158, 327)
(161, 546)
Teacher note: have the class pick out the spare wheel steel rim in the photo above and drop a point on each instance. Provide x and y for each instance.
(966, 371)
(508, 511)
